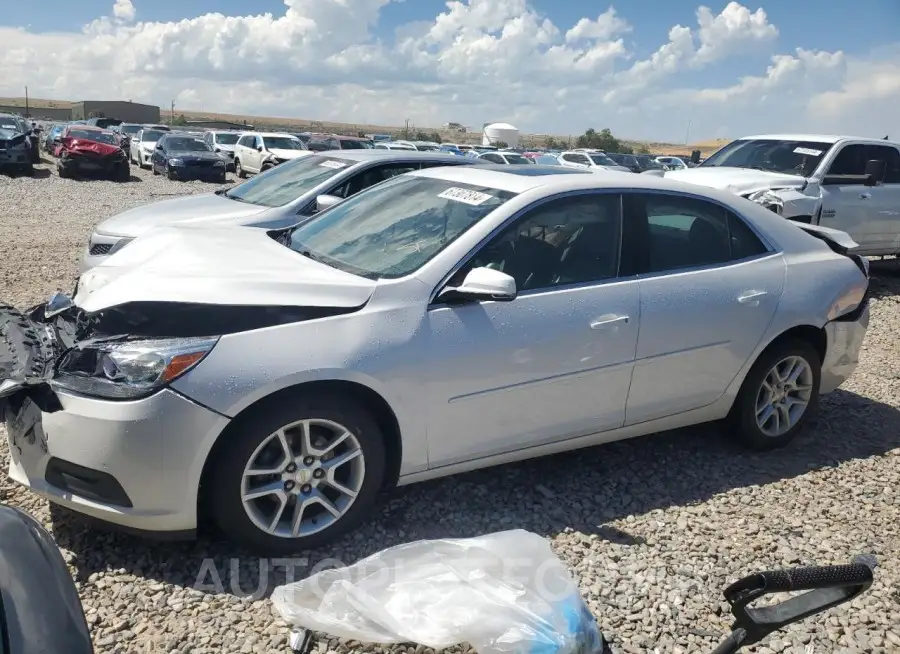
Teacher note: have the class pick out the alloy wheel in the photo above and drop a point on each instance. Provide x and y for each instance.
(302, 478)
(784, 396)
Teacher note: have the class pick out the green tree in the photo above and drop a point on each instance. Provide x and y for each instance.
(500, 145)
(181, 120)
(643, 149)
(602, 140)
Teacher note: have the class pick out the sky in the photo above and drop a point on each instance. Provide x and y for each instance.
(661, 70)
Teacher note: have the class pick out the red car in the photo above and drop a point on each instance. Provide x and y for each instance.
(87, 149)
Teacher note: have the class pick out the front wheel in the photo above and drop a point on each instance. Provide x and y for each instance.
(778, 396)
(297, 476)
(239, 169)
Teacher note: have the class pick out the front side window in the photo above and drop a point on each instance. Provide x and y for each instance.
(571, 240)
(852, 160)
(685, 232)
(392, 229)
(289, 181)
(493, 158)
(602, 160)
(772, 155)
(226, 139)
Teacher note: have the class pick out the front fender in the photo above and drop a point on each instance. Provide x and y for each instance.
(790, 203)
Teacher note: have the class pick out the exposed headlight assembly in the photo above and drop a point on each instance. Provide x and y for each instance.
(132, 369)
(176, 162)
(769, 199)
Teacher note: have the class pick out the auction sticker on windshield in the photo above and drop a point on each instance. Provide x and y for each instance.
(331, 163)
(465, 195)
(808, 151)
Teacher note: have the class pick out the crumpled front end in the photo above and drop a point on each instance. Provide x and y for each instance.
(87, 157)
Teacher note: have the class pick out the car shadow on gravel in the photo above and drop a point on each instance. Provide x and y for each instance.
(885, 278)
(581, 491)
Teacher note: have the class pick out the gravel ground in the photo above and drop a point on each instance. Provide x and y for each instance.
(653, 528)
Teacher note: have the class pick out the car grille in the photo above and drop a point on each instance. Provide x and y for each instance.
(200, 163)
(100, 248)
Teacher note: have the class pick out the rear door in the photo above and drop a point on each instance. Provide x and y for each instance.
(709, 289)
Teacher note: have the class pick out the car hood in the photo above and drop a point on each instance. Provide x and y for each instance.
(201, 155)
(737, 180)
(79, 146)
(192, 208)
(148, 145)
(224, 148)
(289, 154)
(220, 266)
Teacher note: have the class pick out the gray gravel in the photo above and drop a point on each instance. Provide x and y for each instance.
(652, 528)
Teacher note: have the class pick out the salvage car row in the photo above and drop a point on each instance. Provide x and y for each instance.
(280, 351)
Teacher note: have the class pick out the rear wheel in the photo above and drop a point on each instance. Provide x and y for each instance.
(778, 396)
(297, 475)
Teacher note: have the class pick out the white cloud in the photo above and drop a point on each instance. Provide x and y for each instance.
(607, 25)
(477, 60)
(734, 31)
(124, 11)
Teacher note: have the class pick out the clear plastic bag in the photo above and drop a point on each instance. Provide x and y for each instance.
(502, 593)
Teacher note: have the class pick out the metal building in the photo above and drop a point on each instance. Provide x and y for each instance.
(49, 113)
(129, 112)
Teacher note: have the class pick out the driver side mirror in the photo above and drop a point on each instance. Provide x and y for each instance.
(259, 148)
(482, 284)
(327, 201)
(159, 147)
(875, 171)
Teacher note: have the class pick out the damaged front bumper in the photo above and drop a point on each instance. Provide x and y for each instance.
(132, 462)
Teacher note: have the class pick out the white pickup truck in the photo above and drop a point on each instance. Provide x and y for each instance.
(846, 183)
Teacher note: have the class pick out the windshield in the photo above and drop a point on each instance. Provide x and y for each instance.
(91, 135)
(151, 135)
(282, 143)
(392, 229)
(352, 144)
(426, 147)
(516, 159)
(185, 144)
(602, 160)
(547, 159)
(287, 182)
(130, 129)
(649, 162)
(227, 139)
(777, 156)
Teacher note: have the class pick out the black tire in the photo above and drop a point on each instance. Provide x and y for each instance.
(223, 179)
(743, 414)
(27, 170)
(239, 170)
(171, 175)
(223, 491)
(154, 170)
(62, 171)
(122, 173)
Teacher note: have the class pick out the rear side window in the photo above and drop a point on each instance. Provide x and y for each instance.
(684, 232)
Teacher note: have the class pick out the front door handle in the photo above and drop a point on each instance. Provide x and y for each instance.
(752, 297)
(865, 196)
(608, 320)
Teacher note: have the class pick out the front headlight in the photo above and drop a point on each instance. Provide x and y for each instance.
(219, 164)
(176, 162)
(769, 199)
(122, 242)
(132, 369)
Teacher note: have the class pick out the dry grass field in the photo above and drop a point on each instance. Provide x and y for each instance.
(301, 124)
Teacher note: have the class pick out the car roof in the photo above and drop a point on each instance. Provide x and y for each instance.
(291, 136)
(822, 138)
(376, 155)
(517, 180)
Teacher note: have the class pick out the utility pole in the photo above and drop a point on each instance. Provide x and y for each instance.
(172, 117)
(406, 131)
(27, 114)
(687, 137)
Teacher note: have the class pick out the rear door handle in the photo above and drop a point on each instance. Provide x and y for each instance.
(751, 297)
(609, 320)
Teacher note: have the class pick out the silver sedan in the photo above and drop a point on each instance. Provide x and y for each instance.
(441, 321)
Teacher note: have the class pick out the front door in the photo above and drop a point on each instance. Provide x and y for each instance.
(869, 214)
(709, 290)
(554, 363)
